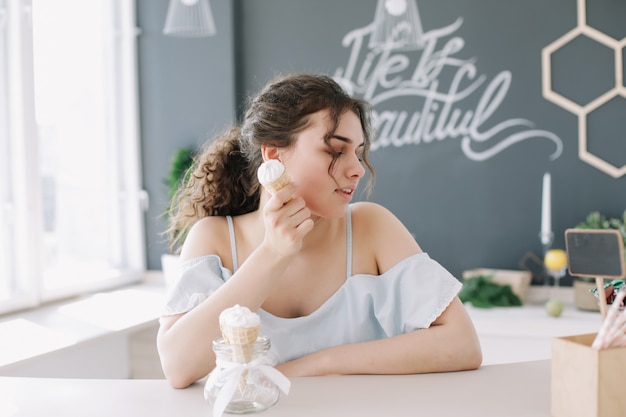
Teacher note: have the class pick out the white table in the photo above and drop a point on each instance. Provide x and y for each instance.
(512, 390)
(521, 334)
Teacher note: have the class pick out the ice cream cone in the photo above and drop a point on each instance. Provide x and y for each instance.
(273, 176)
(280, 183)
(240, 329)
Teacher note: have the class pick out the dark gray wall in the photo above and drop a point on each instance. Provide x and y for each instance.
(187, 90)
(469, 213)
(465, 212)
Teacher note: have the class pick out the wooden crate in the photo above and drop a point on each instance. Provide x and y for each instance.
(587, 382)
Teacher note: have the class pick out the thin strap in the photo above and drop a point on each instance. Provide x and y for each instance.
(233, 244)
(349, 240)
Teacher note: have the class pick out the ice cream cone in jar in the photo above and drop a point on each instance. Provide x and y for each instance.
(244, 379)
(240, 329)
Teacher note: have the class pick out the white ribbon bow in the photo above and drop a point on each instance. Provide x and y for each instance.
(231, 372)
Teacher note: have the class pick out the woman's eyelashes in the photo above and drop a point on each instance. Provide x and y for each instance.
(341, 152)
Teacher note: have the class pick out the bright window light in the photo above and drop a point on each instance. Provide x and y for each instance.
(70, 213)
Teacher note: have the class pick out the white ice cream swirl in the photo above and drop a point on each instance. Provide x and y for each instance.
(239, 316)
(270, 171)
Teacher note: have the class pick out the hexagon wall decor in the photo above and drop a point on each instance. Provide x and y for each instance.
(583, 30)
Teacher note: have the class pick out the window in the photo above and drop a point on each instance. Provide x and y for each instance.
(70, 197)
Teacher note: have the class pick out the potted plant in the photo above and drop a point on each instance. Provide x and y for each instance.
(583, 297)
(180, 163)
(179, 166)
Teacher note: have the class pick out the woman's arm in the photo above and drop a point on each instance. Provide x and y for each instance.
(449, 344)
(185, 341)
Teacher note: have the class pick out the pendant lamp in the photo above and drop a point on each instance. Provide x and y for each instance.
(189, 18)
(397, 25)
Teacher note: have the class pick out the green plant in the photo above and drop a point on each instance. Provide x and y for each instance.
(481, 292)
(597, 220)
(179, 169)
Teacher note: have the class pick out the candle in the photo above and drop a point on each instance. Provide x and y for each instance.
(546, 215)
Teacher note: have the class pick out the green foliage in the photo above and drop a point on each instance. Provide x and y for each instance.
(482, 292)
(597, 220)
(179, 169)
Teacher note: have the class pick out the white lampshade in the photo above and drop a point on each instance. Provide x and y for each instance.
(189, 18)
(397, 25)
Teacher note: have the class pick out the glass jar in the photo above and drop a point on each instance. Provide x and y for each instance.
(254, 391)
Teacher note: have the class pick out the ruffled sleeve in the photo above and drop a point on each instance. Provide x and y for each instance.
(199, 278)
(412, 294)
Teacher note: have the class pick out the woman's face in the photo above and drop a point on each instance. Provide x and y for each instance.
(327, 193)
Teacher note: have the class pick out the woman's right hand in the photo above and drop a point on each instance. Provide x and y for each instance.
(287, 220)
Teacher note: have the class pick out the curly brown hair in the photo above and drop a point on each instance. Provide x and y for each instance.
(223, 177)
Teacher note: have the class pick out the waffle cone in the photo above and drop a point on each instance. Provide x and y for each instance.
(278, 184)
(241, 340)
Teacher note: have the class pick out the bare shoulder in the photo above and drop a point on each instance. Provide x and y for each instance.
(389, 241)
(370, 211)
(374, 218)
(208, 236)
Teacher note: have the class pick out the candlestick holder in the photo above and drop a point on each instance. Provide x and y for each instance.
(546, 239)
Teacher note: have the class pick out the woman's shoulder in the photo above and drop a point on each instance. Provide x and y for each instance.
(212, 224)
(372, 215)
(370, 210)
(207, 236)
(388, 239)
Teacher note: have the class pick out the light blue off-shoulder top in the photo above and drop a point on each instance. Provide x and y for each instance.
(407, 297)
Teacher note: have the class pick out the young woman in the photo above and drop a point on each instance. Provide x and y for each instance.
(340, 288)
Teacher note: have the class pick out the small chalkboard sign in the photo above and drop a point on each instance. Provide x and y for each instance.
(595, 253)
